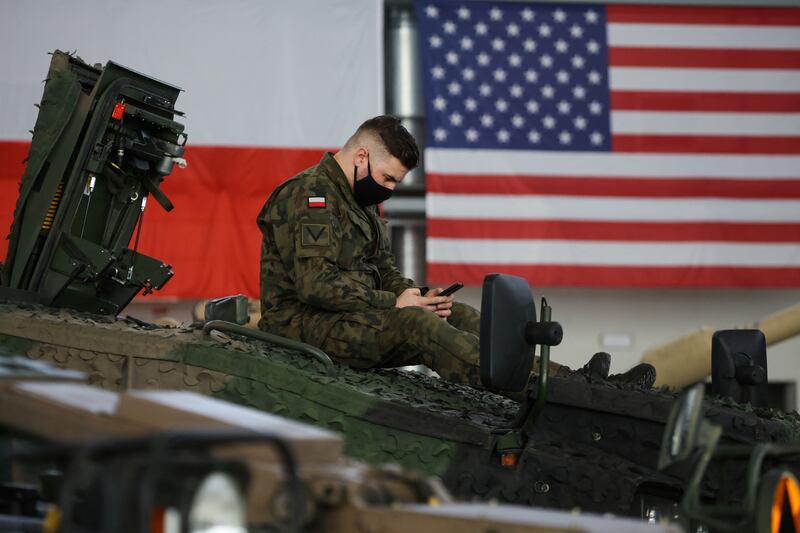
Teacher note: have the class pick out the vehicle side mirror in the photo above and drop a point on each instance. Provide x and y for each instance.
(739, 366)
(687, 429)
(510, 332)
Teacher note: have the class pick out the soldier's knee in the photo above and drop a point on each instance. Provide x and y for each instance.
(412, 318)
(465, 310)
(411, 314)
(466, 318)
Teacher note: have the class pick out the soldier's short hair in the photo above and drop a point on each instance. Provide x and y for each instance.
(394, 136)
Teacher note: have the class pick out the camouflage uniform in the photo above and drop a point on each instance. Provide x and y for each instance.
(328, 278)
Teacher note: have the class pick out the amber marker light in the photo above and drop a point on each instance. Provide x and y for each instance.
(52, 519)
(787, 490)
(509, 460)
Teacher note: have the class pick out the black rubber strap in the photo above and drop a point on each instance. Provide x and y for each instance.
(158, 195)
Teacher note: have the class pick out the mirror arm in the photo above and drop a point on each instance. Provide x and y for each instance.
(544, 374)
(544, 333)
(529, 412)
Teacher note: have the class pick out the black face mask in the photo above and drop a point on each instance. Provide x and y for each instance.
(367, 191)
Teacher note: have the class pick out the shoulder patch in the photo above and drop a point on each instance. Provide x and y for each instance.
(316, 201)
(315, 234)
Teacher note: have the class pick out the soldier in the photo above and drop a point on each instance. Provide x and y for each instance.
(328, 276)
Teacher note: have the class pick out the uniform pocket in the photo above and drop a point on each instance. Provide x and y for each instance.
(354, 339)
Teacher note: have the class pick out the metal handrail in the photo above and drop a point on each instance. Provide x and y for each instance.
(313, 351)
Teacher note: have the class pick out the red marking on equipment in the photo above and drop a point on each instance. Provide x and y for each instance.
(119, 111)
(157, 518)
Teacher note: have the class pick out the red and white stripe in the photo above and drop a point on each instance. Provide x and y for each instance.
(700, 80)
(262, 102)
(702, 187)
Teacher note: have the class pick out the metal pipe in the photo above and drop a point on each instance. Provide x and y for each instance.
(404, 91)
(404, 81)
(404, 100)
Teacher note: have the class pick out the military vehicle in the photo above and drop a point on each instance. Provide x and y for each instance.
(573, 442)
(86, 459)
(771, 500)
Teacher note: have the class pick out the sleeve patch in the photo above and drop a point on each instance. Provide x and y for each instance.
(316, 201)
(315, 234)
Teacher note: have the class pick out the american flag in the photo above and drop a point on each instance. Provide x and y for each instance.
(612, 145)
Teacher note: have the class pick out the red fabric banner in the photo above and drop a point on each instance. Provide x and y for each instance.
(210, 238)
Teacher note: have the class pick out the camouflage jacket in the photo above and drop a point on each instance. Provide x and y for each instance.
(322, 255)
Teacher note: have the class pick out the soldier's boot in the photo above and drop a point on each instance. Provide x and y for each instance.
(642, 376)
(598, 366)
(596, 369)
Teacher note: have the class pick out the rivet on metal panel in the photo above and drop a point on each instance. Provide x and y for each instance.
(541, 487)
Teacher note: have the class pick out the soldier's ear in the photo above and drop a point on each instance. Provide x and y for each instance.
(361, 156)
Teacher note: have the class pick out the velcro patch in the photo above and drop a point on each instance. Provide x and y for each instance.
(315, 234)
(316, 201)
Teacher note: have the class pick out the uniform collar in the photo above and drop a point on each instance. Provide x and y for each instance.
(337, 175)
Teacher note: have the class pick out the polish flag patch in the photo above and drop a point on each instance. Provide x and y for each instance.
(316, 201)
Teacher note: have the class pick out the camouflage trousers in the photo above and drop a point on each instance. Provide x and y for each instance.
(411, 336)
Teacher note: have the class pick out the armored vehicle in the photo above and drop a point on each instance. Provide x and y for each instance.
(572, 442)
(86, 459)
(771, 500)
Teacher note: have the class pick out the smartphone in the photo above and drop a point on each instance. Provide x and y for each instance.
(451, 289)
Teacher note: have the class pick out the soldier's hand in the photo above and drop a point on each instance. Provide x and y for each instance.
(443, 309)
(412, 297)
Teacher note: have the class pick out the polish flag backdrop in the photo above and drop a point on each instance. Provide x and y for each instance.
(269, 86)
